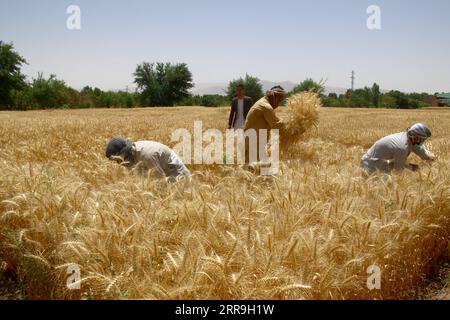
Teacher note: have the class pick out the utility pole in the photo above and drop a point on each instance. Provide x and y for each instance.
(353, 80)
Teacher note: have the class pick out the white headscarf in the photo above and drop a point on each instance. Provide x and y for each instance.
(419, 130)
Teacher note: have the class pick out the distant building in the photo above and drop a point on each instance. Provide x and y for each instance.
(439, 100)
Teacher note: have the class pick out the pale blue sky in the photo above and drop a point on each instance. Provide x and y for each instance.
(222, 40)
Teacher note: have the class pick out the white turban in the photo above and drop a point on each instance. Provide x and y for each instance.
(419, 130)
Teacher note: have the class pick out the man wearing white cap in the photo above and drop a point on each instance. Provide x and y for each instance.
(391, 152)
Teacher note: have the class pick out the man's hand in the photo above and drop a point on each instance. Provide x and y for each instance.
(414, 167)
(117, 159)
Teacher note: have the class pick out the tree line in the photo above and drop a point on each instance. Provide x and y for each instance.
(164, 84)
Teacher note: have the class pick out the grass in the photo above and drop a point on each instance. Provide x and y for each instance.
(310, 233)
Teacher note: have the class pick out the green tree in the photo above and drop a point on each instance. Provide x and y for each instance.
(376, 95)
(107, 99)
(163, 84)
(418, 96)
(253, 87)
(331, 101)
(23, 99)
(10, 76)
(87, 91)
(401, 99)
(309, 85)
(333, 95)
(74, 98)
(49, 93)
(207, 100)
(362, 98)
(388, 102)
(214, 100)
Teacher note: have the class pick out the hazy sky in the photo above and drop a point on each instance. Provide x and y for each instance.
(222, 40)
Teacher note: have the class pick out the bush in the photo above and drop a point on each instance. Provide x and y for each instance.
(23, 99)
(388, 102)
(49, 93)
(44, 93)
(407, 101)
(209, 100)
(331, 101)
(372, 98)
(96, 98)
(214, 100)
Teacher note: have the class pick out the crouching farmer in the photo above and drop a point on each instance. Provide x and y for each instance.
(146, 155)
(391, 152)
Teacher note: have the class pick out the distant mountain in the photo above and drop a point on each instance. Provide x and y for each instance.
(287, 85)
(220, 88)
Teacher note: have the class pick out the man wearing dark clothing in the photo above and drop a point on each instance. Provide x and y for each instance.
(239, 109)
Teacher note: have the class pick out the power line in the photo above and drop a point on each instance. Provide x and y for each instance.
(353, 80)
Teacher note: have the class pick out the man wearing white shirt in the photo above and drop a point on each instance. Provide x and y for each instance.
(239, 109)
(148, 155)
(391, 152)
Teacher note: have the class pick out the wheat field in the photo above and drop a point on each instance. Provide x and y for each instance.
(309, 233)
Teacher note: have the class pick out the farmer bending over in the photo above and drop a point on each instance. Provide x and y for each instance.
(148, 154)
(391, 152)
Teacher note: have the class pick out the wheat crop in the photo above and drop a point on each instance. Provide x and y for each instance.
(301, 114)
(311, 232)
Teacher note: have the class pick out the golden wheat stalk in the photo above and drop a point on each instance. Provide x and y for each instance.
(302, 113)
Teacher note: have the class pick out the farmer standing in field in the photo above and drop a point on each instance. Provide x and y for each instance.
(148, 155)
(262, 116)
(240, 106)
(391, 152)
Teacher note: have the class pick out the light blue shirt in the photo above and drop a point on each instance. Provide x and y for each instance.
(393, 151)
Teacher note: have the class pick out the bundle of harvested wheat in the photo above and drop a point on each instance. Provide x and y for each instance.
(302, 113)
